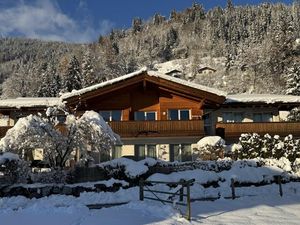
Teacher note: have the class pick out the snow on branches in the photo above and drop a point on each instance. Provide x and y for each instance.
(90, 132)
(254, 145)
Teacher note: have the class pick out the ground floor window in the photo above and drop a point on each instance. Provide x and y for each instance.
(180, 152)
(143, 151)
(117, 152)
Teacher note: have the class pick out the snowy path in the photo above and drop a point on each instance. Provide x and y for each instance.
(263, 209)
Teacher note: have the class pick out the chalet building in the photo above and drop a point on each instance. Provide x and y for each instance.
(163, 117)
(206, 70)
(13, 109)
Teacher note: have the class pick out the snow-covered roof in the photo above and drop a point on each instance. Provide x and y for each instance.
(262, 98)
(150, 73)
(29, 102)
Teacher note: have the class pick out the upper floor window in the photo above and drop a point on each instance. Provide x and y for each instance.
(179, 114)
(231, 117)
(262, 117)
(140, 115)
(113, 115)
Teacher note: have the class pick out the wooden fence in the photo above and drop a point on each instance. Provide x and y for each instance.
(182, 184)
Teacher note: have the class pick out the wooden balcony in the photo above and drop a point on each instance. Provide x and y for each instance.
(233, 131)
(158, 128)
(3, 130)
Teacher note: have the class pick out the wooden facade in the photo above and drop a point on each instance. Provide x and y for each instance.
(149, 94)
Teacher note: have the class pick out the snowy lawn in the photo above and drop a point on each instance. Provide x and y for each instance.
(263, 206)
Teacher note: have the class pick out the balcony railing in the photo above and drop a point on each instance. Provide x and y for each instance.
(158, 128)
(234, 130)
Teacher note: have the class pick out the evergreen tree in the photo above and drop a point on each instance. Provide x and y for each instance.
(88, 75)
(293, 88)
(72, 76)
(51, 83)
(293, 80)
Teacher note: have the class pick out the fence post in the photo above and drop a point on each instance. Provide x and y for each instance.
(280, 185)
(182, 183)
(141, 183)
(188, 201)
(232, 188)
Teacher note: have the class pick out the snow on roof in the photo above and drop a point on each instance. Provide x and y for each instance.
(150, 73)
(29, 102)
(262, 98)
(103, 84)
(187, 83)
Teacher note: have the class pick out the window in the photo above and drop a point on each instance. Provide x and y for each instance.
(262, 117)
(114, 115)
(61, 118)
(142, 151)
(140, 115)
(117, 151)
(230, 117)
(178, 114)
(180, 152)
(4, 120)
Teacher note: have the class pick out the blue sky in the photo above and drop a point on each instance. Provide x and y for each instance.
(83, 21)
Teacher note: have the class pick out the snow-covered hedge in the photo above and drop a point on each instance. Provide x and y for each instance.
(254, 145)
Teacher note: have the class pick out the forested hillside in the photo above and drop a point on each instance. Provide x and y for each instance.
(250, 49)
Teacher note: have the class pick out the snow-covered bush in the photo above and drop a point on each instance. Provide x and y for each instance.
(210, 148)
(53, 176)
(90, 132)
(253, 146)
(13, 169)
(296, 166)
(294, 115)
(291, 148)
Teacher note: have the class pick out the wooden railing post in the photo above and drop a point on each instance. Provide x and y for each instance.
(232, 188)
(141, 183)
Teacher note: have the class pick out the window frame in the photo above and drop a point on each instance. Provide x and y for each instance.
(145, 115)
(179, 114)
(146, 151)
(111, 115)
(262, 118)
(232, 117)
(180, 152)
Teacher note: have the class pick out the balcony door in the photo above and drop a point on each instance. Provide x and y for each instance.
(179, 114)
(111, 115)
(142, 116)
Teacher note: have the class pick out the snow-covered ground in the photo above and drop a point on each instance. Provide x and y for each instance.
(257, 205)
